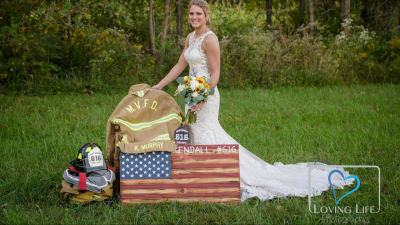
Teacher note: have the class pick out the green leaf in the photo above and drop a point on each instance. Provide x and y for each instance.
(187, 100)
(183, 93)
(212, 90)
(199, 98)
(180, 80)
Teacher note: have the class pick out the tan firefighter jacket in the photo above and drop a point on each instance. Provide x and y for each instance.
(147, 119)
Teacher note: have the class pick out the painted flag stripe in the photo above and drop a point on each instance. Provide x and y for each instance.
(203, 165)
(205, 161)
(205, 156)
(127, 202)
(205, 170)
(180, 190)
(157, 196)
(185, 185)
(204, 175)
(214, 146)
(180, 181)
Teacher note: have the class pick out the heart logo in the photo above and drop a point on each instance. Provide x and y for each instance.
(344, 178)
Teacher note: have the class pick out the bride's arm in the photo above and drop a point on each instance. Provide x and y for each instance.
(176, 70)
(211, 48)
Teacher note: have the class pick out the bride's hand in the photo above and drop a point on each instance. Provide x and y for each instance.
(197, 107)
(157, 86)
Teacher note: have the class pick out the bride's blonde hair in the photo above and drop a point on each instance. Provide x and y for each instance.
(204, 6)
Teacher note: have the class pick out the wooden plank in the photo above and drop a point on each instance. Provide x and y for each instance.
(207, 161)
(205, 156)
(180, 181)
(127, 202)
(181, 195)
(204, 175)
(204, 170)
(190, 185)
(180, 190)
(202, 165)
(211, 147)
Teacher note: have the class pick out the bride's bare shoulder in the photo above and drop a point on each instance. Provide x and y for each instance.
(210, 40)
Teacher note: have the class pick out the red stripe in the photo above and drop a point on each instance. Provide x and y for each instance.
(212, 146)
(165, 186)
(206, 156)
(204, 175)
(73, 169)
(158, 196)
(82, 182)
(203, 165)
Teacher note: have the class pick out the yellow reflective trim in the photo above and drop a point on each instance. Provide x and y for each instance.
(88, 149)
(140, 93)
(162, 137)
(80, 156)
(139, 126)
(125, 139)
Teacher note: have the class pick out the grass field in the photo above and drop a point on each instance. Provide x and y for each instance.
(39, 135)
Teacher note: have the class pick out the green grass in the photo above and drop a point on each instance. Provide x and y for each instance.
(39, 135)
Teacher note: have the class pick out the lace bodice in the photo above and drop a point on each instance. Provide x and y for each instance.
(196, 57)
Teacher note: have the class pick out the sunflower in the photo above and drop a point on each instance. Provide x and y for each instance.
(187, 80)
(200, 80)
(198, 89)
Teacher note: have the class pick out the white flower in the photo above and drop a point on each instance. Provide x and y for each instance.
(181, 87)
(195, 94)
(193, 85)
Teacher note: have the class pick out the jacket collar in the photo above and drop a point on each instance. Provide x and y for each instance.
(139, 90)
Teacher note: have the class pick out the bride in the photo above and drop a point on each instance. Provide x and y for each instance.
(257, 177)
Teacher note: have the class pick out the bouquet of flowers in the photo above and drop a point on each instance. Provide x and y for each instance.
(194, 90)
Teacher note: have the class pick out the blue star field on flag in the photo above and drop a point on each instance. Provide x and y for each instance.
(150, 165)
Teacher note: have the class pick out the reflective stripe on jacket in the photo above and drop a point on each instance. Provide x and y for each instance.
(147, 119)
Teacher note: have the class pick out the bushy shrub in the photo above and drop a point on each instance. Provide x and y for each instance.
(102, 44)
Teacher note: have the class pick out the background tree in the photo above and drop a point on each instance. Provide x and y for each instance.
(311, 22)
(268, 11)
(165, 21)
(151, 28)
(345, 9)
(179, 18)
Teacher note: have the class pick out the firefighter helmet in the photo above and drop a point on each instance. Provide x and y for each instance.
(89, 158)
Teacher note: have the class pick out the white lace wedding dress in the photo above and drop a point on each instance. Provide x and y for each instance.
(257, 177)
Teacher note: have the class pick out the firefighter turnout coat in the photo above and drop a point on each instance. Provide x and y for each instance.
(147, 119)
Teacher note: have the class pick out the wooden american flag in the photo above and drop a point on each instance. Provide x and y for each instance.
(199, 173)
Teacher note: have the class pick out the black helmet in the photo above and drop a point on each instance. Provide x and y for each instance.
(89, 158)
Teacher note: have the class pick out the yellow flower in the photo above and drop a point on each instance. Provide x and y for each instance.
(187, 80)
(207, 86)
(364, 55)
(98, 42)
(200, 80)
